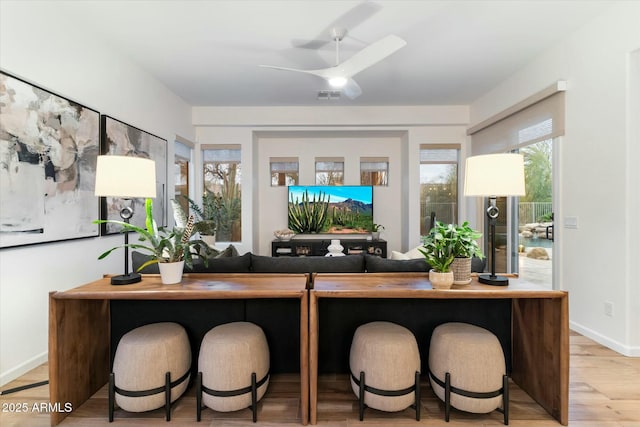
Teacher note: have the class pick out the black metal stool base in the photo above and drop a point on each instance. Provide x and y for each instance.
(253, 388)
(166, 389)
(448, 389)
(362, 388)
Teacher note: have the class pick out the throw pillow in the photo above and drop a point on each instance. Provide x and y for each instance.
(412, 254)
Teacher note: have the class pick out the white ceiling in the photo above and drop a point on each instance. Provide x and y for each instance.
(208, 51)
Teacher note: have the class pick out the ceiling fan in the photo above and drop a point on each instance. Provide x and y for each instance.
(341, 75)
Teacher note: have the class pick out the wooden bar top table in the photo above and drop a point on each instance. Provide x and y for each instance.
(80, 325)
(539, 327)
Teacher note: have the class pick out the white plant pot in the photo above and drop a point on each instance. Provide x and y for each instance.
(171, 272)
(209, 239)
(441, 280)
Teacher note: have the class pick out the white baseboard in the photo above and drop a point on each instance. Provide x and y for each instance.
(23, 368)
(631, 351)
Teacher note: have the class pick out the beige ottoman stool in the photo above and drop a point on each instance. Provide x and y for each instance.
(151, 368)
(233, 368)
(467, 369)
(385, 368)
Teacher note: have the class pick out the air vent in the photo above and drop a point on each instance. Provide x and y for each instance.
(328, 95)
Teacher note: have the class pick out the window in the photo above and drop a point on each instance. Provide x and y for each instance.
(438, 185)
(284, 171)
(222, 174)
(182, 169)
(374, 170)
(330, 171)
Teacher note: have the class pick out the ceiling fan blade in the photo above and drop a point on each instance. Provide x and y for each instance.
(350, 19)
(370, 55)
(352, 90)
(320, 73)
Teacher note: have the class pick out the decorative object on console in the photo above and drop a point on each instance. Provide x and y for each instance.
(125, 177)
(50, 145)
(335, 248)
(376, 229)
(166, 247)
(490, 176)
(284, 235)
(121, 139)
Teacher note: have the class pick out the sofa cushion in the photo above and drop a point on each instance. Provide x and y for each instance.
(478, 265)
(138, 258)
(376, 264)
(223, 262)
(308, 264)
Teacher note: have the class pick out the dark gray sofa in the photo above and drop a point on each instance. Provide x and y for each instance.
(251, 263)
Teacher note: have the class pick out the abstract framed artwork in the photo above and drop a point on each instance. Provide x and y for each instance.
(48, 150)
(121, 139)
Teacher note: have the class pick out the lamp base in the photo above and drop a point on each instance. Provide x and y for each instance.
(489, 279)
(126, 279)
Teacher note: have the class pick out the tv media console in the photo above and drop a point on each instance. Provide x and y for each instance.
(318, 247)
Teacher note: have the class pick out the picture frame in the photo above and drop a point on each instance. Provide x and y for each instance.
(121, 139)
(48, 150)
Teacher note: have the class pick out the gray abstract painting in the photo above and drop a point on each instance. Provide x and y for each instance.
(48, 151)
(121, 139)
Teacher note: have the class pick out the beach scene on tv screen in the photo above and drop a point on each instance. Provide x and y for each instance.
(331, 209)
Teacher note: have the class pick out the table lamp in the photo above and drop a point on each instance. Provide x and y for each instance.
(494, 175)
(127, 178)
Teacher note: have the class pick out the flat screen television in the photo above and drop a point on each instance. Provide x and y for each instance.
(344, 209)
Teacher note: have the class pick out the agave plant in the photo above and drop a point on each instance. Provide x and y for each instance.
(164, 246)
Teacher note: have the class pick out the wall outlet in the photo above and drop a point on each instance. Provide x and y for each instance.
(608, 308)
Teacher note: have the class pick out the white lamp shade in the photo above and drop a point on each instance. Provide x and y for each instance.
(494, 175)
(125, 177)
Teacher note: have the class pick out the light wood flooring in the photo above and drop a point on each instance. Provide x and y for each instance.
(604, 392)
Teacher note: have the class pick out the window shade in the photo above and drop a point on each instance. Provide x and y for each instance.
(539, 118)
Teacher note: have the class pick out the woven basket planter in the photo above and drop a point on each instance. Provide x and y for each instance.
(461, 268)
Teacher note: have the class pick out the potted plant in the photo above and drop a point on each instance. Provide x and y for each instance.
(465, 248)
(208, 216)
(170, 249)
(439, 251)
(375, 231)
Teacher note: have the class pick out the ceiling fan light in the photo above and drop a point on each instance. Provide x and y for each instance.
(337, 81)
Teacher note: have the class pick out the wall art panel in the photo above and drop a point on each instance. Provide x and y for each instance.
(121, 139)
(48, 150)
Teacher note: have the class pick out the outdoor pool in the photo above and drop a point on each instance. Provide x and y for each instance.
(530, 242)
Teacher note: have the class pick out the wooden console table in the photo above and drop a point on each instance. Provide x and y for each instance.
(539, 330)
(80, 325)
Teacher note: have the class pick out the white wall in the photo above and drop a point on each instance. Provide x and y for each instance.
(309, 132)
(273, 200)
(38, 45)
(598, 261)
